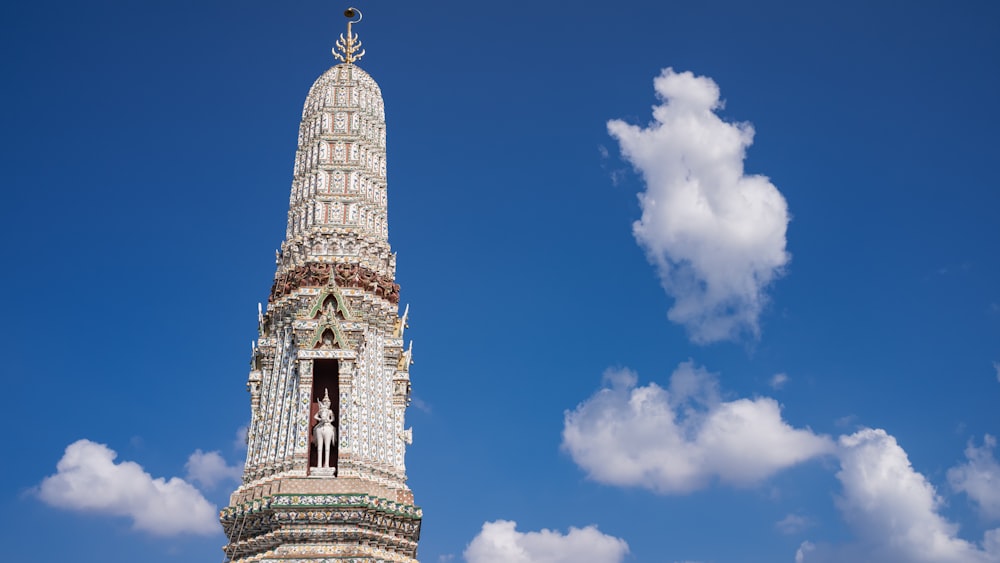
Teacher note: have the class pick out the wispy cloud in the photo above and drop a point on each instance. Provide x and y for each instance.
(240, 442)
(210, 468)
(715, 233)
(421, 405)
(87, 479)
(803, 550)
(793, 524)
(996, 368)
(778, 380)
(500, 542)
(846, 421)
(979, 477)
(679, 439)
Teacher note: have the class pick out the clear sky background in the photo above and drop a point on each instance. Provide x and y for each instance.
(793, 356)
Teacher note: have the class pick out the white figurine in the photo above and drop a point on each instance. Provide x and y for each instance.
(324, 432)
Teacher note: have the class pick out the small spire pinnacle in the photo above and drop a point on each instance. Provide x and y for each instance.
(346, 49)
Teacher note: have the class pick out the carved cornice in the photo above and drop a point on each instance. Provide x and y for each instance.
(317, 274)
(346, 519)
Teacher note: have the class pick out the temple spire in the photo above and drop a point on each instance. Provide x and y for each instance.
(346, 49)
(325, 474)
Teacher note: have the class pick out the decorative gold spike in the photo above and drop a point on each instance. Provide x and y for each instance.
(347, 48)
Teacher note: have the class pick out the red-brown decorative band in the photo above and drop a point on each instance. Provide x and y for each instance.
(317, 274)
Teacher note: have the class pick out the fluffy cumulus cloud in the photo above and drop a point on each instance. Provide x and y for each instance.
(715, 233)
(500, 542)
(679, 439)
(89, 480)
(209, 469)
(894, 511)
(979, 477)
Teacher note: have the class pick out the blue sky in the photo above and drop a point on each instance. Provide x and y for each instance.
(570, 370)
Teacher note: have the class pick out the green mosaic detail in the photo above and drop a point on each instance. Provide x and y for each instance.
(325, 501)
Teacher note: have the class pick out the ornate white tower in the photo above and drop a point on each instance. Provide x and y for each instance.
(329, 382)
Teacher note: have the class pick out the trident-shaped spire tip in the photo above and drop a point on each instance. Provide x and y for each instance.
(348, 49)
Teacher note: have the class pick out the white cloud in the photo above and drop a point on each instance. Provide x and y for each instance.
(996, 368)
(210, 468)
(894, 510)
(240, 442)
(778, 381)
(421, 404)
(792, 524)
(715, 234)
(678, 439)
(500, 542)
(846, 420)
(979, 477)
(88, 480)
(804, 548)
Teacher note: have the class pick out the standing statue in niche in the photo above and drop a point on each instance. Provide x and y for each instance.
(324, 432)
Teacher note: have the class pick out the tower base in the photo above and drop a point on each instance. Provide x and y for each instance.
(334, 528)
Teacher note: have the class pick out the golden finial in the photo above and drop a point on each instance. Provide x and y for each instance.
(347, 47)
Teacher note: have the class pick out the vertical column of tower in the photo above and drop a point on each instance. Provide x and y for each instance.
(302, 422)
(347, 415)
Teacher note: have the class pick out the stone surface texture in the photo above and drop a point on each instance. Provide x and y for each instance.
(334, 297)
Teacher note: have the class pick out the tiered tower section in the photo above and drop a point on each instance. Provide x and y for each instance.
(331, 329)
